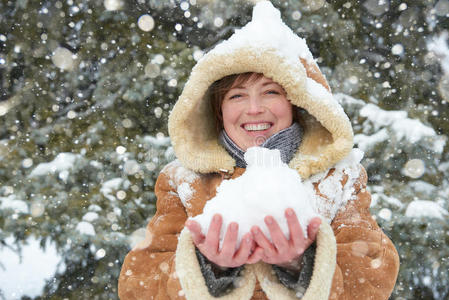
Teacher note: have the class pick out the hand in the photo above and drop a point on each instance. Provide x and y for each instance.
(284, 252)
(208, 245)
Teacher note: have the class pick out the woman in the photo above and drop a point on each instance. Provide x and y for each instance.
(280, 100)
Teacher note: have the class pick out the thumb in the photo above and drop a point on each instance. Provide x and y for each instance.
(255, 256)
(313, 228)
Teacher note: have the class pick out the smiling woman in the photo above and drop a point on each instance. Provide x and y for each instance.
(248, 91)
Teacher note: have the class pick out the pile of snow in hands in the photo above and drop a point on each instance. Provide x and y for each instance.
(267, 187)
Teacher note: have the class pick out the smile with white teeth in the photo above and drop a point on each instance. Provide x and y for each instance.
(257, 127)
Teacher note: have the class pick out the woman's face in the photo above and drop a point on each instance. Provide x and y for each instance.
(254, 111)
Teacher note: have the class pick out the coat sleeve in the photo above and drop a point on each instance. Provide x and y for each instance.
(367, 261)
(148, 271)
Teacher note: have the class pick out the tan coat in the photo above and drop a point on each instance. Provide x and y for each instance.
(367, 261)
(354, 259)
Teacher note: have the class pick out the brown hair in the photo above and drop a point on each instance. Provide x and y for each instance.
(218, 89)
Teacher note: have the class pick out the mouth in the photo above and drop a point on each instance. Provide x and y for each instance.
(257, 127)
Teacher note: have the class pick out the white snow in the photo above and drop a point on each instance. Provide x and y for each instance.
(267, 31)
(62, 162)
(425, 208)
(90, 216)
(423, 187)
(94, 207)
(26, 275)
(377, 196)
(402, 127)
(86, 228)
(368, 142)
(403, 130)
(10, 202)
(113, 4)
(178, 174)
(267, 187)
(381, 118)
(249, 198)
(185, 193)
(438, 45)
(318, 91)
(157, 141)
(108, 187)
(334, 195)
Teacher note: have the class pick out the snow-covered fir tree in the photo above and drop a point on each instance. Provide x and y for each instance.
(86, 88)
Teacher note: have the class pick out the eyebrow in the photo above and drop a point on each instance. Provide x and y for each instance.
(264, 84)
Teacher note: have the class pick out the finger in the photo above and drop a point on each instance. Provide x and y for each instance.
(213, 234)
(242, 254)
(262, 241)
(229, 241)
(296, 233)
(256, 256)
(195, 230)
(277, 236)
(313, 228)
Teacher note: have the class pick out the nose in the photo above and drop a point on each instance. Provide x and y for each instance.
(254, 105)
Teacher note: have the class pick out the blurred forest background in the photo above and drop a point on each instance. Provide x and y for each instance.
(86, 87)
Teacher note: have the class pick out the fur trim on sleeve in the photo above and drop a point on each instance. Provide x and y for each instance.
(192, 281)
(320, 284)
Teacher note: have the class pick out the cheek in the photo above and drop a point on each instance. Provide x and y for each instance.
(230, 114)
(284, 112)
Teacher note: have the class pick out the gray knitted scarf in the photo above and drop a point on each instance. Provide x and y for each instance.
(286, 141)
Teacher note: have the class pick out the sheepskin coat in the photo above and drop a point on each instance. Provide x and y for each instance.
(164, 265)
(354, 259)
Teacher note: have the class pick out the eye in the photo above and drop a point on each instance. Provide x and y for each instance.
(236, 96)
(273, 92)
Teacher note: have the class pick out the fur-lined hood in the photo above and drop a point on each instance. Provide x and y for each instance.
(265, 45)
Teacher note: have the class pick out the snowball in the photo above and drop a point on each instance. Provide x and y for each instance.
(267, 187)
